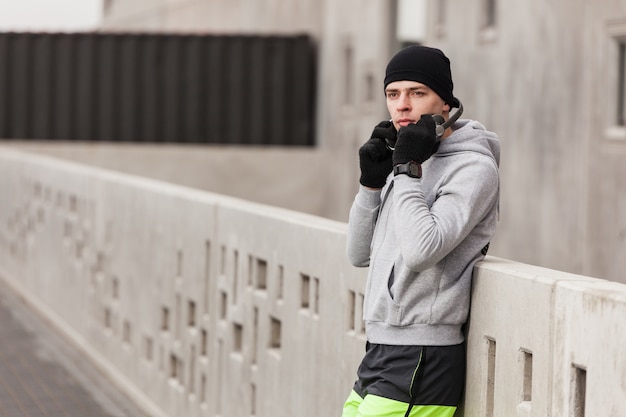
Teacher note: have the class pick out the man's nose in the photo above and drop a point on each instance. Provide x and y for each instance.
(403, 102)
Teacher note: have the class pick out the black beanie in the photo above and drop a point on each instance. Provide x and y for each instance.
(425, 65)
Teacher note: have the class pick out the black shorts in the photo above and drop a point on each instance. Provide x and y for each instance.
(433, 375)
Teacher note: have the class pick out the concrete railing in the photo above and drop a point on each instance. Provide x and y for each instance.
(201, 305)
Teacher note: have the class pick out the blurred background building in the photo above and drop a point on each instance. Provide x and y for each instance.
(548, 77)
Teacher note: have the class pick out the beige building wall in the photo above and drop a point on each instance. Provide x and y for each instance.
(543, 77)
(240, 16)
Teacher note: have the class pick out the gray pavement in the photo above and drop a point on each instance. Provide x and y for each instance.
(43, 375)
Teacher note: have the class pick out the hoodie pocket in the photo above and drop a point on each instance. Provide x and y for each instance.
(379, 304)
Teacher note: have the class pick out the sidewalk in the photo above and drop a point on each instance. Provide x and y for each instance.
(43, 375)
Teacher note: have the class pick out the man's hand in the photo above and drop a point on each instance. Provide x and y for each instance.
(416, 142)
(375, 157)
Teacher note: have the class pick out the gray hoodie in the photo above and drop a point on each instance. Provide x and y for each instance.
(421, 238)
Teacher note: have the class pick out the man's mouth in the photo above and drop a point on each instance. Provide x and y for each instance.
(405, 122)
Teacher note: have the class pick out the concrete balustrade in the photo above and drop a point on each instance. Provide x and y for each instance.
(197, 304)
(545, 343)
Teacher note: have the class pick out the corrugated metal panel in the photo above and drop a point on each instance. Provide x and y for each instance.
(64, 87)
(5, 59)
(85, 102)
(231, 89)
(21, 99)
(41, 87)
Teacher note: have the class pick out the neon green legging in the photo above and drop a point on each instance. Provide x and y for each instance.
(375, 406)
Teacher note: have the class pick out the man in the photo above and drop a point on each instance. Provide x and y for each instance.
(424, 214)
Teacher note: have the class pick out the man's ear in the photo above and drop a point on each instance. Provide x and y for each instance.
(446, 107)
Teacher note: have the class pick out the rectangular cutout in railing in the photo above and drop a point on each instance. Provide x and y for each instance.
(191, 313)
(115, 288)
(100, 258)
(281, 283)
(148, 348)
(178, 318)
(173, 367)
(223, 260)
(223, 305)
(316, 296)
(60, 200)
(203, 390)
(207, 274)
(491, 376)
(126, 333)
(305, 291)
(41, 216)
(275, 333)
(235, 276)
(351, 310)
(261, 274)
(204, 342)
(355, 312)
(360, 316)
(107, 318)
(527, 377)
(250, 270)
(73, 203)
(255, 335)
(237, 337)
(67, 229)
(220, 375)
(181, 371)
(252, 399)
(192, 370)
(578, 383)
(179, 264)
(165, 319)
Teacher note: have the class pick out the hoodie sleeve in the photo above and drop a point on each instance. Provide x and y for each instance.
(361, 222)
(426, 235)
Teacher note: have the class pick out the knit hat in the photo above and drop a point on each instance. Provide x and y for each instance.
(425, 65)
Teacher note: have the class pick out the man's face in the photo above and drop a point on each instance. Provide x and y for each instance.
(407, 101)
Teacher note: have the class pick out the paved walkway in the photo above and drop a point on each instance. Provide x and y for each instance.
(42, 375)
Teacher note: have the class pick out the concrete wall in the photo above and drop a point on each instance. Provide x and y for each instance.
(545, 79)
(294, 178)
(540, 343)
(198, 304)
(220, 16)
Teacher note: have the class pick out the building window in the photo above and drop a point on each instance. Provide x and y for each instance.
(489, 21)
(489, 14)
(411, 21)
(440, 17)
(621, 82)
(441, 12)
(348, 61)
(613, 80)
(107, 6)
(370, 87)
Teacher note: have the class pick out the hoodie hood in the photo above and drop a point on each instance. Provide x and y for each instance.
(471, 136)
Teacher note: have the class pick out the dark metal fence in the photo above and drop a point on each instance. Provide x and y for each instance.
(158, 88)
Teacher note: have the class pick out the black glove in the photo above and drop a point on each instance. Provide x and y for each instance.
(416, 142)
(375, 157)
(385, 130)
